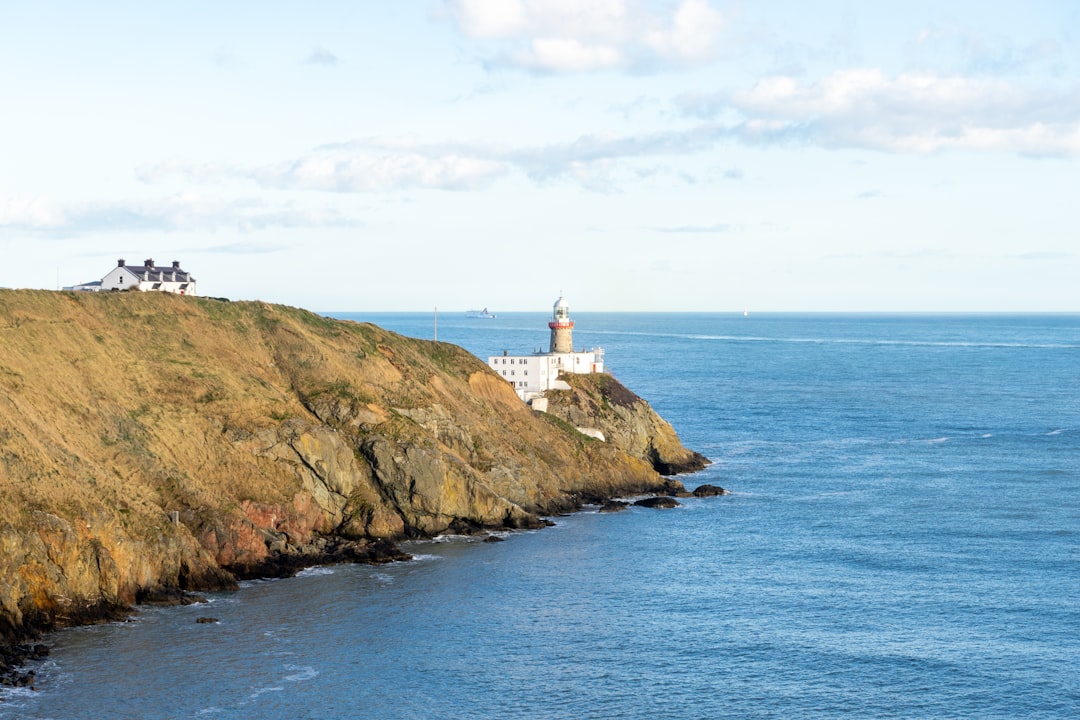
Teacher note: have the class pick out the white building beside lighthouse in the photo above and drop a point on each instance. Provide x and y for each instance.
(533, 375)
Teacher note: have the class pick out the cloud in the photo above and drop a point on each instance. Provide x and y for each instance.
(179, 212)
(243, 248)
(1043, 255)
(968, 51)
(718, 228)
(564, 36)
(370, 165)
(321, 56)
(382, 165)
(560, 159)
(910, 113)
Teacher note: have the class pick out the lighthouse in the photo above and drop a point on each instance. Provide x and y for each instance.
(533, 375)
(562, 327)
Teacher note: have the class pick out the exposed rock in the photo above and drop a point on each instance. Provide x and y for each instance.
(605, 406)
(206, 620)
(493, 539)
(709, 491)
(612, 506)
(168, 597)
(662, 501)
(152, 445)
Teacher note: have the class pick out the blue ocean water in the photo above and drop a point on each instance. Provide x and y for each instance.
(903, 540)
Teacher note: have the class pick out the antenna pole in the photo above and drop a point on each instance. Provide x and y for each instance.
(436, 323)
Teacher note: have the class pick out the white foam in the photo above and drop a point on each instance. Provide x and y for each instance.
(317, 570)
(303, 672)
(262, 691)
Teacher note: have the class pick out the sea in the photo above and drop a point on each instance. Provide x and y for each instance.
(902, 540)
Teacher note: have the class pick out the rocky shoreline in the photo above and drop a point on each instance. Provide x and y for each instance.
(155, 446)
(19, 653)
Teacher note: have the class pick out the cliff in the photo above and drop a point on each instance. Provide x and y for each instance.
(152, 443)
(603, 403)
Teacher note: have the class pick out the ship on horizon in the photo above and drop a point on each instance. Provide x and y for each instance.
(483, 314)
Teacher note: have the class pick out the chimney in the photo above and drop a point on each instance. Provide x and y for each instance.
(149, 263)
(175, 264)
(120, 262)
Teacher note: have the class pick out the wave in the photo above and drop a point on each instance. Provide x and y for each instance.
(301, 673)
(727, 337)
(883, 342)
(263, 691)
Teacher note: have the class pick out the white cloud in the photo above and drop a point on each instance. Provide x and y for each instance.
(381, 169)
(321, 56)
(371, 165)
(968, 51)
(908, 113)
(382, 165)
(575, 36)
(24, 212)
(603, 19)
(694, 229)
(568, 55)
(693, 31)
(184, 211)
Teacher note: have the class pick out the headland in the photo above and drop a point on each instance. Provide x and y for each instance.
(153, 445)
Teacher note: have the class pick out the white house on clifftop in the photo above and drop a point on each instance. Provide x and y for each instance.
(532, 375)
(145, 277)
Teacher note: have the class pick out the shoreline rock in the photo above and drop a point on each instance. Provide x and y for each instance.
(196, 443)
(660, 502)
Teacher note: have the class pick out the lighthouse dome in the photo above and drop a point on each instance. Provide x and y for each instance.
(561, 308)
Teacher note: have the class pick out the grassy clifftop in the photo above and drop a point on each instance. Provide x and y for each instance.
(151, 442)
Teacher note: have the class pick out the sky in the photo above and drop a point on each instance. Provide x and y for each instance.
(633, 155)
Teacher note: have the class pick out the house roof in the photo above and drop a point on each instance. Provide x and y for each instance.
(159, 273)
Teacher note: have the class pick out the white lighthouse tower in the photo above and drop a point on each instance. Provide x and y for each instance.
(562, 327)
(533, 375)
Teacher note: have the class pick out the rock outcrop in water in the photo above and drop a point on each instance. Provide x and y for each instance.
(152, 444)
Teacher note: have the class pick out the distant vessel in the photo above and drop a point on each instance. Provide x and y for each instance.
(484, 314)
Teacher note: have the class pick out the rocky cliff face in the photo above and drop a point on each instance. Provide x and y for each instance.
(152, 443)
(627, 422)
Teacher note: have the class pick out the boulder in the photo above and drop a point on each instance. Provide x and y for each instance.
(662, 501)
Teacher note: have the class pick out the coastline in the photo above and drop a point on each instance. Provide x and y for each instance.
(253, 440)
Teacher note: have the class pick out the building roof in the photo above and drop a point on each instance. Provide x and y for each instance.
(159, 272)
